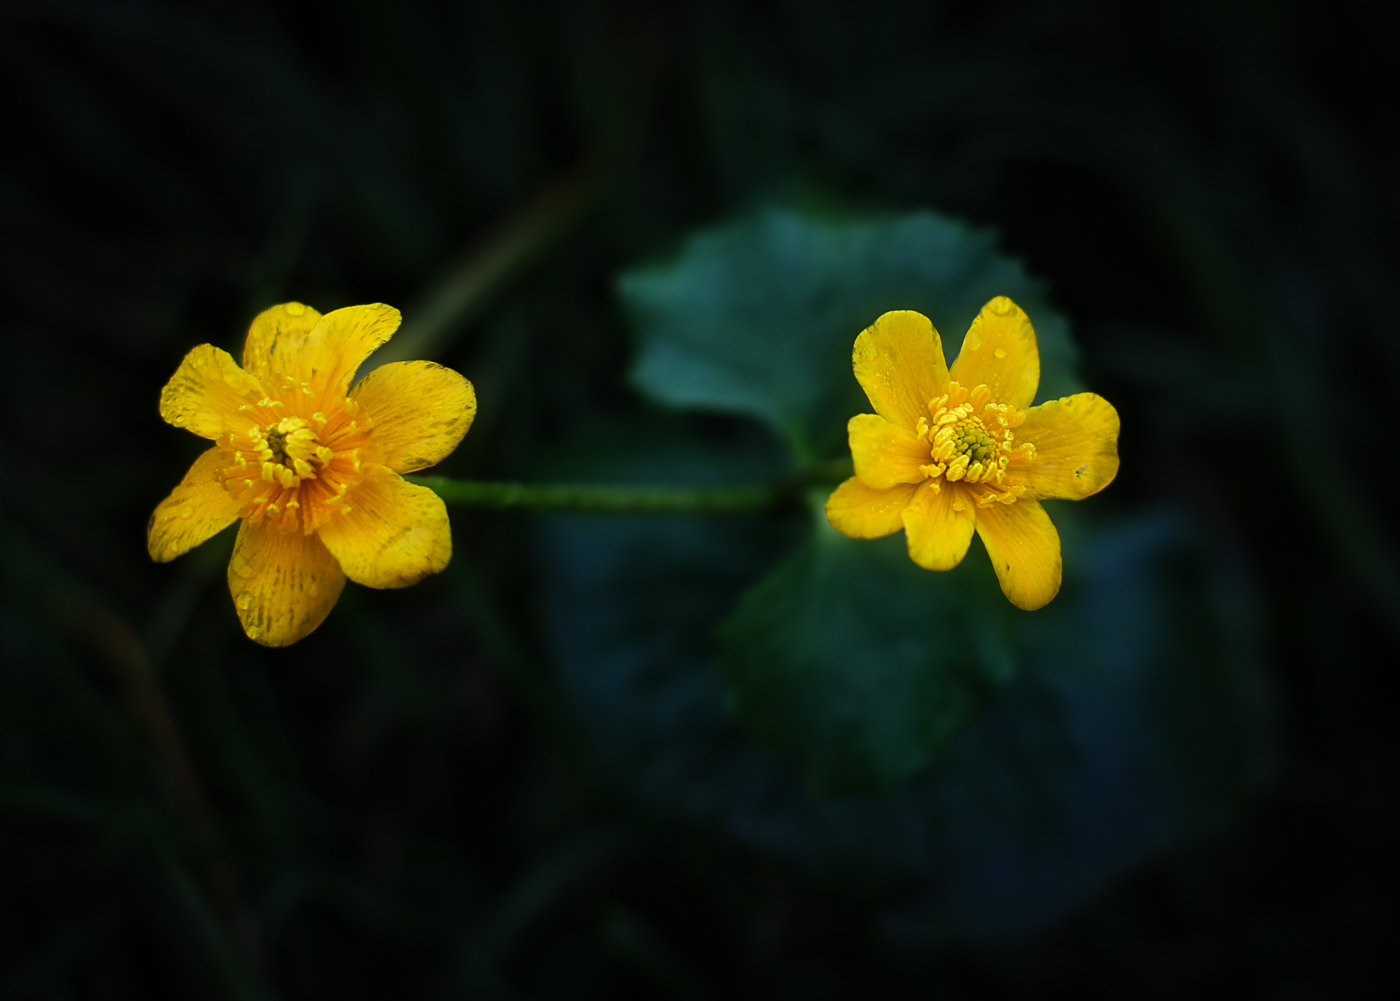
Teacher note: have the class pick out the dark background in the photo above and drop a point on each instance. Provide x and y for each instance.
(400, 806)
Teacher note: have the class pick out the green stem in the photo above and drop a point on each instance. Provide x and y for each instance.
(619, 499)
(598, 499)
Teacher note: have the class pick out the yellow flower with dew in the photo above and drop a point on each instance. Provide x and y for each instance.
(311, 465)
(950, 452)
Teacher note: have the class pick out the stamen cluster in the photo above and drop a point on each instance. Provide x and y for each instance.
(291, 471)
(972, 440)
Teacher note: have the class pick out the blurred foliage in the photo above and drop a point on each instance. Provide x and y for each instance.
(1138, 715)
(858, 666)
(755, 318)
(404, 805)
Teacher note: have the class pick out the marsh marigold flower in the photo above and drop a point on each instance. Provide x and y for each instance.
(311, 465)
(950, 452)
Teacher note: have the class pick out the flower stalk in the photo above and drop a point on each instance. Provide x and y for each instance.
(590, 498)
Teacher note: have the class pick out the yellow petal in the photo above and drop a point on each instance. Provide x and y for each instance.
(899, 363)
(284, 584)
(1076, 446)
(1025, 551)
(395, 533)
(885, 453)
(196, 510)
(339, 344)
(862, 512)
(420, 412)
(939, 525)
(277, 338)
(206, 391)
(1000, 352)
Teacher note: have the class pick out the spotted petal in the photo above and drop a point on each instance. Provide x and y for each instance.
(899, 363)
(885, 453)
(339, 344)
(277, 339)
(284, 584)
(395, 533)
(1000, 352)
(196, 510)
(939, 524)
(1076, 446)
(206, 391)
(863, 512)
(1025, 551)
(420, 411)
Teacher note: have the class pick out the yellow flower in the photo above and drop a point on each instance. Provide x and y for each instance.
(311, 465)
(955, 451)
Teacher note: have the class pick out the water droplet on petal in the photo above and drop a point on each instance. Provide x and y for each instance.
(244, 601)
(241, 567)
(187, 511)
(253, 632)
(1001, 305)
(295, 309)
(1000, 352)
(973, 341)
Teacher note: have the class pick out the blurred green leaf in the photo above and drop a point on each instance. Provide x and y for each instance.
(860, 665)
(757, 316)
(1138, 716)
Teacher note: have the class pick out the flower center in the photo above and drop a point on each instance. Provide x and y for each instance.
(292, 448)
(277, 442)
(292, 471)
(972, 439)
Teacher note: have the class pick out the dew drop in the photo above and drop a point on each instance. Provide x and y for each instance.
(187, 511)
(295, 309)
(253, 632)
(241, 567)
(1001, 305)
(244, 600)
(1000, 352)
(973, 341)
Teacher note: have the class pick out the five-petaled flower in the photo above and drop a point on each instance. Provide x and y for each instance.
(311, 465)
(953, 451)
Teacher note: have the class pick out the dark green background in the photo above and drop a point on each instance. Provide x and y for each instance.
(409, 804)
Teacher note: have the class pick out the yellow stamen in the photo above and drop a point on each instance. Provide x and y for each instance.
(971, 448)
(285, 472)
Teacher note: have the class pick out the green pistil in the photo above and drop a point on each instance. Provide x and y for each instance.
(277, 441)
(974, 442)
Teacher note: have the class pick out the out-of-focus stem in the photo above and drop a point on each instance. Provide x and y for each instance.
(151, 714)
(469, 285)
